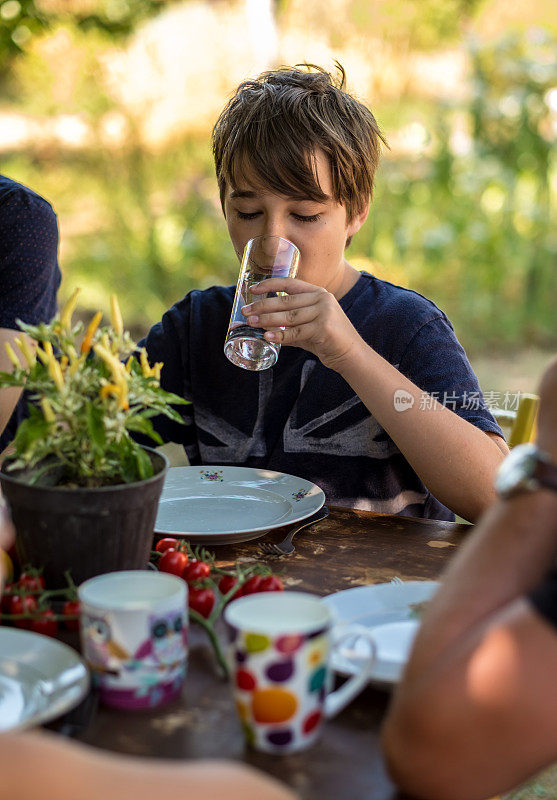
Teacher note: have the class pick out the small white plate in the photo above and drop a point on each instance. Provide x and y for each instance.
(223, 505)
(40, 679)
(387, 609)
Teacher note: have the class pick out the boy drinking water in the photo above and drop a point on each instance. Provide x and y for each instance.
(350, 403)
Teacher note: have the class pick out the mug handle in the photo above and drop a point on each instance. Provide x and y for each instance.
(339, 699)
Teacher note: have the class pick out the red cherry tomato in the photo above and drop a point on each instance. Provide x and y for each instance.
(22, 604)
(46, 623)
(196, 571)
(201, 600)
(173, 562)
(31, 582)
(7, 597)
(71, 608)
(165, 544)
(226, 584)
(251, 586)
(271, 583)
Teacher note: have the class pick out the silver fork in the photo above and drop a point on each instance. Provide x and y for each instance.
(286, 548)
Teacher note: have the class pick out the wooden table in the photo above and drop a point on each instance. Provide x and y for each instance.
(349, 548)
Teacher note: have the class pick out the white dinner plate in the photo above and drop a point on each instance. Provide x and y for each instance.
(389, 611)
(222, 505)
(40, 679)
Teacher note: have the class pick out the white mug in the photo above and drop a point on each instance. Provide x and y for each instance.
(134, 628)
(280, 647)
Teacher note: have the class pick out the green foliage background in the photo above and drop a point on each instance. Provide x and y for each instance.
(471, 227)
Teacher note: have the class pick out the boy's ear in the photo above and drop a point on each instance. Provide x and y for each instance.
(358, 220)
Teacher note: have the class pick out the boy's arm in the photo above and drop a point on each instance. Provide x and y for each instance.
(454, 459)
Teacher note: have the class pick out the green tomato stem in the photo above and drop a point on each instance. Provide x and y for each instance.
(208, 627)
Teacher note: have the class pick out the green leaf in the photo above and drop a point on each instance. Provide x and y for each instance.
(144, 466)
(33, 428)
(172, 414)
(8, 379)
(140, 424)
(95, 425)
(128, 467)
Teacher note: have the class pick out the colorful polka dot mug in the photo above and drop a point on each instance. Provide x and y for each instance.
(280, 646)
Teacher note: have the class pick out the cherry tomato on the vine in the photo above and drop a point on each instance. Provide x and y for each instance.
(173, 562)
(22, 604)
(165, 544)
(201, 600)
(31, 582)
(71, 608)
(251, 586)
(196, 571)
(45, 623)
(227, 583)
(271, 583)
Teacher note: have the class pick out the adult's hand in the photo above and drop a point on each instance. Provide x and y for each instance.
(307, 316)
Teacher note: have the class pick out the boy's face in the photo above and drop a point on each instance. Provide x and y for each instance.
(318, 229)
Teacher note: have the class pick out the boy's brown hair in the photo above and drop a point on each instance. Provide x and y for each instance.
(274, 125)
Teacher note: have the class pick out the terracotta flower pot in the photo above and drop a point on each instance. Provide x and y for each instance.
(85, 531)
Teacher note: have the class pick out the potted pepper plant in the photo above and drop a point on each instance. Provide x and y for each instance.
(82, 493)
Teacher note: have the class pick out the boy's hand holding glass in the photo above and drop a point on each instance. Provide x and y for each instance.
(305, 316)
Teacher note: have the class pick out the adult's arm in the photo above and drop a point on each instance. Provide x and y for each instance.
(42, 764)
(475, 712)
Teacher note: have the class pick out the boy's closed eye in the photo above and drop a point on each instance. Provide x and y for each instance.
(248, 215)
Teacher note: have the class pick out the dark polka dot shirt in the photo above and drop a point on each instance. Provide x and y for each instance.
(29, 271)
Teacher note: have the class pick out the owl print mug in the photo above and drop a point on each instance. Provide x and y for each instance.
(280, 647)
(134, 627)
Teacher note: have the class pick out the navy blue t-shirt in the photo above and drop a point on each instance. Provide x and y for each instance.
(29, 271)
(301, 417)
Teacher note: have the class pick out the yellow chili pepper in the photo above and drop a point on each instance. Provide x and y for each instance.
(75, 365)
(67, 311)
(129, 363)
(64, 363)
(116, 367)
(43, 356)
(11, 355)
(90, 332)
(110, 388)
(55, 373)
(157, 370)
(27, 351)
(48, 412)
(47, 347)
(116, 316)
(145, 363)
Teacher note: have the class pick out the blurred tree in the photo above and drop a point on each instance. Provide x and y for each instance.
(21, 20)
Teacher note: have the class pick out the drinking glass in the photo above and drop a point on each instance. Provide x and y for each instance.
(264, 257)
